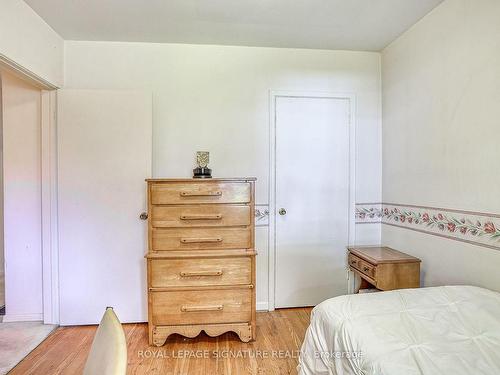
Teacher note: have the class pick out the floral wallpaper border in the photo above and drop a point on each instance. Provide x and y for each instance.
(472, 227)
(261, 215)
(368, 213)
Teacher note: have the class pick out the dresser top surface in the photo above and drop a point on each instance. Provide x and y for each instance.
(378, 255)
(229, 179)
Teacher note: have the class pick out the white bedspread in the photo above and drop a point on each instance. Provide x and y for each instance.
(444, 330)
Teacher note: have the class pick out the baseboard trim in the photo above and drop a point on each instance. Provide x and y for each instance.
(11, 318)
(262, 306)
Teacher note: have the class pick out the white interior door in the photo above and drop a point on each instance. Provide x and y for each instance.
(312, 186)
(104, 155)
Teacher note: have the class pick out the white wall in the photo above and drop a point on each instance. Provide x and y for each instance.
(216, 98)
(441, 95)
(27, 40)
(22, 199)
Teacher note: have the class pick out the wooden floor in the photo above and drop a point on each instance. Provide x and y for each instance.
(279, 336)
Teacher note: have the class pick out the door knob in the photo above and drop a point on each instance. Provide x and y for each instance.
(143, 216)
(282, 211)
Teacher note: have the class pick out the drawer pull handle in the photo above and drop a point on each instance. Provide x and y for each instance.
(366, 269)
(201, 193)
(201, 273)
(201, 217)
(201, 240)
(353, 262)
(187, 308)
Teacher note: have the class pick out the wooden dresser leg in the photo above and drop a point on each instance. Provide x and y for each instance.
(246, 334)
(159, 337)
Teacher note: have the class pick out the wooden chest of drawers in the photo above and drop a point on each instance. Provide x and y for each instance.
(384, 268)
(201, 258)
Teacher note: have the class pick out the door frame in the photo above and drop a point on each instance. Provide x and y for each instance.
(50, 234)
(273, 95)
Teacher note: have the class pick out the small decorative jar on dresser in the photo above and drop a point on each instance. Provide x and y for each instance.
(201, 257)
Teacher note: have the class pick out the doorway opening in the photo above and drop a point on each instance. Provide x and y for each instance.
(21, 199)
(22, 325)
(2, 260)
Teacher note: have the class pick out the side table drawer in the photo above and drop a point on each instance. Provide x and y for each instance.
(354, 261)
(368, 269)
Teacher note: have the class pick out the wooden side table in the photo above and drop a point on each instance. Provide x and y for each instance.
(384, 268)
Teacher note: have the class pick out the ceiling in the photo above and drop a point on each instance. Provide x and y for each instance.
(367, 25)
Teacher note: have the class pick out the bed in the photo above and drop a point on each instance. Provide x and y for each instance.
(441, 330)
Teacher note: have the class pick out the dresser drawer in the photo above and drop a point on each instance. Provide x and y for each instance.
(213, 215)
(200, 272)
(201, 307)
(201, 238)
(202, 192)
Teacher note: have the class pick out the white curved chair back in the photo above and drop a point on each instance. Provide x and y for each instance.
(108, 354)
